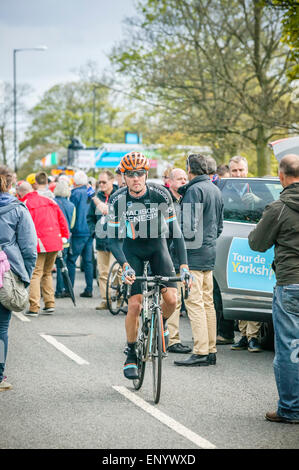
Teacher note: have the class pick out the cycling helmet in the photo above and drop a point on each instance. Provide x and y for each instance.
(134, 161)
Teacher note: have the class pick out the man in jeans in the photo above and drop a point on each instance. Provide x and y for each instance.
(279, 226)
(81, 241)
(202, 223)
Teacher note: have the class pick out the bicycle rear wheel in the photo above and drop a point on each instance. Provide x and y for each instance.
(115, 294)
(156, 342)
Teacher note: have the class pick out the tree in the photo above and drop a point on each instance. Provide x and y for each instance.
(215, 70)
(290, 31)
(66, 111)
(86, 109)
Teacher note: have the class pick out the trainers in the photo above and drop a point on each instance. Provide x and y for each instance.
(103, 306)
(5, 385)
(29, 313)
(130, 367)
(222, 340)
(275, 418)
(242, 344)
(48, 310)
(86, 294)
(253, 345)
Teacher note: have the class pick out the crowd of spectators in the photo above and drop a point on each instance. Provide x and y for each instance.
(40, 217)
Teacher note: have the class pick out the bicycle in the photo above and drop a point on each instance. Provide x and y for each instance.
(150, 342)
(116, 290)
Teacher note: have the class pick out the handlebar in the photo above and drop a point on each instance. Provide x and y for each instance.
(159, 280)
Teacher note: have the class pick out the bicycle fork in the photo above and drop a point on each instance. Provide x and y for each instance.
(156, 307)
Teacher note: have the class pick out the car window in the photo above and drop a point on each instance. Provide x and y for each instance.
(245, 199)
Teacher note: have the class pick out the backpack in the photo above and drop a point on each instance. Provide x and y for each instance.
(13, 293)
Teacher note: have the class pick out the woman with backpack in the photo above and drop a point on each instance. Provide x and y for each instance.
(18, 244)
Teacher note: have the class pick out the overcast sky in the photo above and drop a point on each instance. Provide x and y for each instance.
(75, 31)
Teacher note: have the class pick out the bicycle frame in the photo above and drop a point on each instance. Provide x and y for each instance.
(150, 342)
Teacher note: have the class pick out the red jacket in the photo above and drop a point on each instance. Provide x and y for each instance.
(49, 221)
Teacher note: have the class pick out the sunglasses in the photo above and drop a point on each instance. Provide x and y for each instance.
(135, 174)
(102, 182)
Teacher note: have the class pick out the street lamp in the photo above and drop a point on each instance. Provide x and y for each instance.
(37, 48)
(94, 113)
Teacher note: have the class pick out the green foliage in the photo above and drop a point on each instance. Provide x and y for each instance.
(215, 72)
(66, 111)
(290, 32)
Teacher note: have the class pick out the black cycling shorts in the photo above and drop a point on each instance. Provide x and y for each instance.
(153, 250)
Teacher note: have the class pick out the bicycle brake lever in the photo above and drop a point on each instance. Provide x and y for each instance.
(129, 288)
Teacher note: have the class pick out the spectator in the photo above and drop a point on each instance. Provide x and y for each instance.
(41, 180)
(279, 226)
(81, 241)
(92, 182)
(18, 241)
(23, 189)
(97, 212)
(165, 176)
(203, 209)
(212, 170)
(63, 177)
(17, 189)
(119, 178)
(52, 230)
(31, 180)
(223, 171)
(238, 168)
(52, 187)
(177, 178)
(62, 193)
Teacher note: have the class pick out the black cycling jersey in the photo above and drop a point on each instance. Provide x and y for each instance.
(141, 222)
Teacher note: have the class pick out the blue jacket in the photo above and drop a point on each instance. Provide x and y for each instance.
(81, 201)
(18, 236)
(67, 208)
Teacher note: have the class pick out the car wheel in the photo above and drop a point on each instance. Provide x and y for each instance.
(266, 336)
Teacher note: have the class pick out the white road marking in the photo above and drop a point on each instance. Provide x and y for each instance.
(64, 349)
(163, 418)
(20, 316)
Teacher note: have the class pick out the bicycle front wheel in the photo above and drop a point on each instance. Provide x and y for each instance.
(114, 292)
(156, 344)
(141, 353)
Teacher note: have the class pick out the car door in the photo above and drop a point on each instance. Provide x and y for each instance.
(245, 278)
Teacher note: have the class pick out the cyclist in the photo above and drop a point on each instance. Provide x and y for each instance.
(141, 215)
